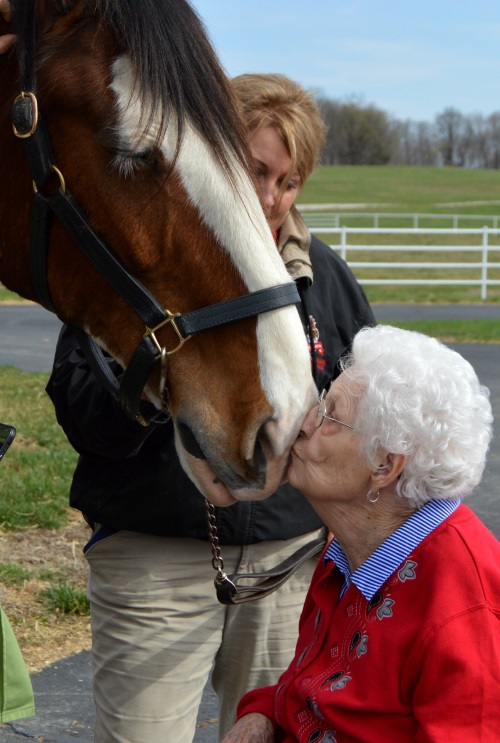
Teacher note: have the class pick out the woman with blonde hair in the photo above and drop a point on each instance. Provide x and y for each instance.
(286, 134)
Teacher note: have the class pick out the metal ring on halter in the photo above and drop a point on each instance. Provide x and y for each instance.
(62, 182)
(170, 319)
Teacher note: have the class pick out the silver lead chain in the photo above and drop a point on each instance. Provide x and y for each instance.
(217, 561)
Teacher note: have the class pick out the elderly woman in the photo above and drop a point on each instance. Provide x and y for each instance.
(400, 633)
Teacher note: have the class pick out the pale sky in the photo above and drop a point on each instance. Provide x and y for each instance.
(411, 59)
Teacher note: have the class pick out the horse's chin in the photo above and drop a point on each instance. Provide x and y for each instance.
(215, 491)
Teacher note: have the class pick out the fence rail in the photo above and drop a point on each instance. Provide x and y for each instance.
(331, 219)
(484, 250)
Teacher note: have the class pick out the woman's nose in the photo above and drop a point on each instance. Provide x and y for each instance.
(269, 193)
(309, 423)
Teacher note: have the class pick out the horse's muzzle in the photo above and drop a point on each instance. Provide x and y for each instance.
(237, 473)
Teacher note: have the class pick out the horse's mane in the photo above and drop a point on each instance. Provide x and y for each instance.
(175, 65)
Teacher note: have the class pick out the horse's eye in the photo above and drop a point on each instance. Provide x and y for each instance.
(127, 163)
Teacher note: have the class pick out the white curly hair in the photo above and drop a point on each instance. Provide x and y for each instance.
(419, 398)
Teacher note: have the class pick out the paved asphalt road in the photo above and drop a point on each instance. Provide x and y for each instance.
(63, 691)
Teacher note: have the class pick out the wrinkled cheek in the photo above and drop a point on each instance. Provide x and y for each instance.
(314, 469)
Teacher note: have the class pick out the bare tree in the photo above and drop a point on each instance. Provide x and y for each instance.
(494, 140)
(426, 147)
(329, 112)
(449, 127)
(359, 134)
(414, 143)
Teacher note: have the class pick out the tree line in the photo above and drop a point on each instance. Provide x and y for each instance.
(361, 134)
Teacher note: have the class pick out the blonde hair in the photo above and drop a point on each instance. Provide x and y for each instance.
(275, 100)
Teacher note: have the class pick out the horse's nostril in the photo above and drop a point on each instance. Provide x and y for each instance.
(189, 441)
(263, 441)
(257, 466)
(247, 472)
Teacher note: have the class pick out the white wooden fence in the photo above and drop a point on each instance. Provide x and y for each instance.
(483, 250)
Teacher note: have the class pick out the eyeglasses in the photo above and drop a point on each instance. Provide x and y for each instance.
(321, 414)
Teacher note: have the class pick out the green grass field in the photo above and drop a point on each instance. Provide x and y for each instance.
(35, 474)
(405, 189)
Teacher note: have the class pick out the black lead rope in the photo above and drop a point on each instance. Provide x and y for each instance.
(239, 588)
(236, 588)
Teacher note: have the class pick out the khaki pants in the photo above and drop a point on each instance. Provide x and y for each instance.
(158, 630)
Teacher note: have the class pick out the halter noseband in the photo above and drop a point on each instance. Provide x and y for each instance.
(29, 127)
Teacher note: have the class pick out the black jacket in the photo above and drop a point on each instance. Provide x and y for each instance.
(129, 476)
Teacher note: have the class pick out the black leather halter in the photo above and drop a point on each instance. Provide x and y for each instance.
(29, 127)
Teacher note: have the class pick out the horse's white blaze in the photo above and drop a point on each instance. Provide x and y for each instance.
(238, 222)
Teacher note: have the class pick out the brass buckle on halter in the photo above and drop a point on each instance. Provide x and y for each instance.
(170, 319)
(34, 115)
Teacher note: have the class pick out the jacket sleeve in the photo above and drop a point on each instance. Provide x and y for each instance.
(458, 680)
(91, 419)
(259, 700)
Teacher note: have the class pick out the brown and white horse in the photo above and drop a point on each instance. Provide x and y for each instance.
(143, 128)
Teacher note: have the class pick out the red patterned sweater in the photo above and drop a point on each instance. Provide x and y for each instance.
(418, 662)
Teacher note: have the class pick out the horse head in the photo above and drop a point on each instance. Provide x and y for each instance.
(146, 137)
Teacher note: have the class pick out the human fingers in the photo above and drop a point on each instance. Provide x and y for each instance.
(6, 10)
(6, 42)
(252, 728)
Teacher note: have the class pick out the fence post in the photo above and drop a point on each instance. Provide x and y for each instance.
(484, 270)
(343, 243)
(375, 221)
(415, 221)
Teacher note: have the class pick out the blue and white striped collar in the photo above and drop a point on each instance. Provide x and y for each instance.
(373, 573)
